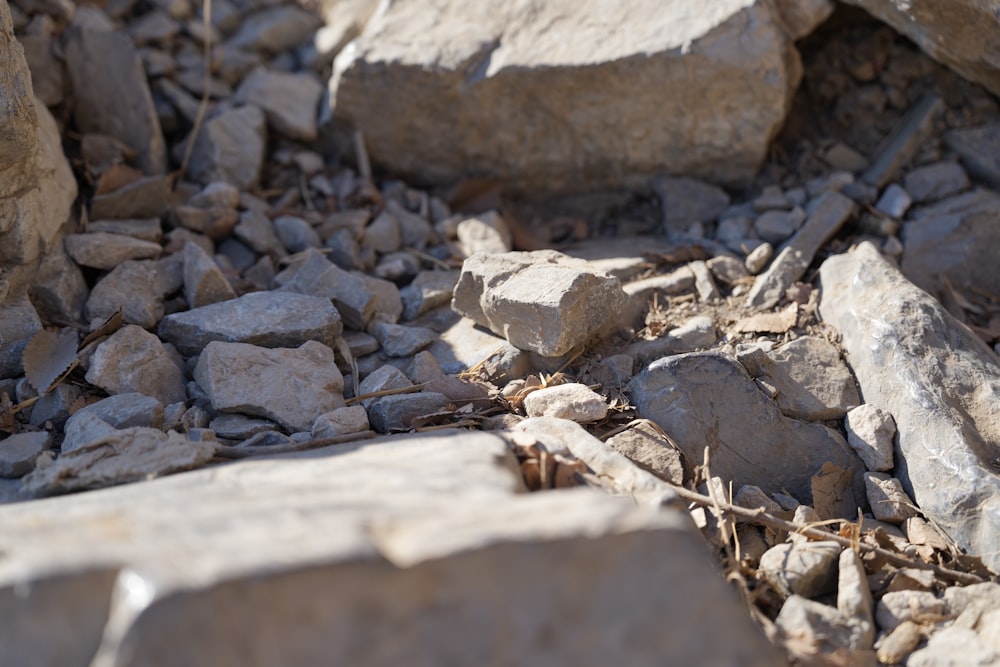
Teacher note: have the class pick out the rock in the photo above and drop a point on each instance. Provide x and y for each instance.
(429, 290)
(910, 134)
(296, 234)
(438, 113)
(264, 319)
(100, 250)
(129, 455)
(885, 322)
(828, 213)
(290, 101)
(704, 284)
(85, 429)
(898, 644)
(813, 382)
(138, 288)
(463, 345)
(18, 452)
(645, 446)
(807, 569)
(487, 232)
(397, 340)
(758, 258)
(696, 333)
(383, 378)
(18, 323)
(134, 360)
(316, 276)
(434, 515)
(894, 202)
(290, 386)
(58, 289)
(705, 399)
(956, 34)
(820, 631)
(854, 599)
(977, 147)
(204, 282)
(118, 411)
(274, 29)
(230, 147)
(686, 201)
(776, 226)
(870, 431)
(952, 646)
(48, 76)
(541, 301)
(145, 198)
(54, 406)
(397, 411)
(951, 238)
(111, 92)
(573, 401)
(340, 421)
(256, 230)
(887, 498)
(727, 269)
(935, 181)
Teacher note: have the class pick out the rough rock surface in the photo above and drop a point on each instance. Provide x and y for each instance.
(425, 530)
(705, 399)
(476, 89)
(941, 392)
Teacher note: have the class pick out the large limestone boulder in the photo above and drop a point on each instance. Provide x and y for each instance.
(37, 187)
(572, 94)
(962, 34)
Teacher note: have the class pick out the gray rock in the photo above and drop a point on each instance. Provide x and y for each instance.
(119, 411)
(884, 322)
(686, 201)
(216, 195)
(138, 288)
(275, 29)
(397, 411)
(340, 421)
(134, 360)
(18, 323)
(230, 147)
(645, 446)
(423, 367)
(573, 401)
(487, 232)
(85, 429)
(526, 95)
(429, 290)
(111, 92)
(704, 284)
(727, 269)
(383, 234)
(541, 301)
(935, 181)
(265, 319)
(808, 569)
(415, 231)
(388, 305)
(101, 250)
(289, 386)
(48, 75)
(383, 378)
(897, 607)
(812, 381)
(314, 275)
(887, 498)
(828, 213)
(776, 226)
(296, 234)
(894, 202)
(146, 229)
(977, 146)
(463, 345)
(129, 455)
(401, 341)
(204, 282)
(58, 290)
(706, 399)
(145, 198)
(821, 628)
(870, 432)
(19, 452)
(240, 427)
(215, 223)
(255, 229)
(54, 406)
(954, 239)
(695, 333)
(290, 101)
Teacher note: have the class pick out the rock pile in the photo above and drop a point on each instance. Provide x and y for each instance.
(795, 374)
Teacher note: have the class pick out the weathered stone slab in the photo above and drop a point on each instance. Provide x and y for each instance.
(528, 93)
(541, 301)
(291, 386)
(134, 360)
(267, 319)
(424, 532)
(101, 250)
(705, 399)
(137, 287)
(313, 274)
(937, 379)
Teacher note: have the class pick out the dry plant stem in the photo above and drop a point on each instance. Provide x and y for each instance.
(386, 392)
(203, 104)
(227, 452)
(762, 518)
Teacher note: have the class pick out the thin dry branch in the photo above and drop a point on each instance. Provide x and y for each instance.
(227, 452)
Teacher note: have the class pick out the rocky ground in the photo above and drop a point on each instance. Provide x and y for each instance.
(796, 374)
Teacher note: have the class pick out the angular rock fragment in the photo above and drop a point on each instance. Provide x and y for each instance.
(943, 426)
(807, 569)
(18, 452)
(340, 421)
(134, 360)
(204, 282)
(136, 287)
(290, 386)
(397, 411)
(100, 250)
(265, 319)
(289, 100)
(129, 455)
(645, 446)
(935, 181)
(573, 401)
(705, 399)
(870, 431)
(541, 301)
(314, 275)
(526, 94)
(230, 147)
(18, 324)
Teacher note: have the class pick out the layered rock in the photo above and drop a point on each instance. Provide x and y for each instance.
(568, 94)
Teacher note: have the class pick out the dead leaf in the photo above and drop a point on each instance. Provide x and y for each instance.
(111, 325)
(833, 493)
(47, 356)
(778, 322)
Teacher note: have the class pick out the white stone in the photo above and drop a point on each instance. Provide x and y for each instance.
(870, 431)
(574, 401)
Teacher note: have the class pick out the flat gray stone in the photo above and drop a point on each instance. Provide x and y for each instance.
(686, 201)
(397, 340)
(204, 282)
(935, 181)
(313, 274)
(827, 214)
(18, 323)
(117, 411)
(19, 451)
(100, 250)
(134, 360)
(289, 100)
(647, 448)
(230, 147)
(275, 29)
(428, 290)
(886, 322)
(397, 411)
(289, 386)
(129, 455)
(265, 319)
(138, 288)
(145, 198)
(541, 301)
(705, 399)
(573, 401)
